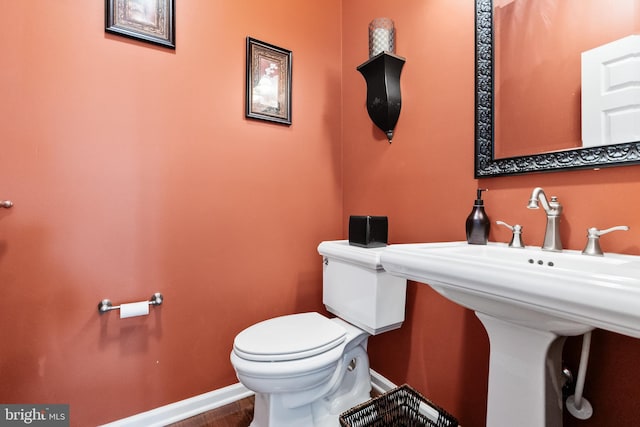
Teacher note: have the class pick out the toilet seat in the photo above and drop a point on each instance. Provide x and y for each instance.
(289, 338)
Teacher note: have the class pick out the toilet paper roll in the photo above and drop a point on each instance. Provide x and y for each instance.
(134, 309)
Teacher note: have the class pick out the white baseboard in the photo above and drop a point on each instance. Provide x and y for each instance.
(380, 384)
(196, 405)
(183, 409)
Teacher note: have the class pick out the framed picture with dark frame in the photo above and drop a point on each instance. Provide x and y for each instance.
(151, 21)
(268, 94)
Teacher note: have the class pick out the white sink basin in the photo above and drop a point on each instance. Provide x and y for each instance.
(567, 293)
(528, 300)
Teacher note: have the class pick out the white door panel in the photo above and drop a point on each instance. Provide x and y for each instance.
(611, 93)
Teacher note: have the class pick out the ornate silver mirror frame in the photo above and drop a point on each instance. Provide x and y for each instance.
(485, 163)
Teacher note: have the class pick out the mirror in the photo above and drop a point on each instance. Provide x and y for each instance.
(487, 163)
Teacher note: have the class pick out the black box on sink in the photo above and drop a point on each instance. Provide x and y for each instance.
(368, 231)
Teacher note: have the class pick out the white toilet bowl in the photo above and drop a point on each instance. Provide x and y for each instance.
(306, 369)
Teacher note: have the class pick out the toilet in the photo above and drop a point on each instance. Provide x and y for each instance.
(305, 368)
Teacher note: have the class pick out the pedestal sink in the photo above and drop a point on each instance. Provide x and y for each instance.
(529, 301)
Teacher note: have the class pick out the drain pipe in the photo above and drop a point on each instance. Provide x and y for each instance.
(577, 405)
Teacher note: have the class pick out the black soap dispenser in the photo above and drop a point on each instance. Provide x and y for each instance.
(478, 223)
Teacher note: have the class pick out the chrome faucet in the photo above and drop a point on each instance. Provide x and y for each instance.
(553, 209)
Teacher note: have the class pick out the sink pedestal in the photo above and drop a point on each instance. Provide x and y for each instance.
(525, 375)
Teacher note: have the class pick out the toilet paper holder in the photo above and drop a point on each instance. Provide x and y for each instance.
(106, 304)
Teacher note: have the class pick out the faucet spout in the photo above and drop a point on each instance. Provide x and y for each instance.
(538, 195)
(553, 210)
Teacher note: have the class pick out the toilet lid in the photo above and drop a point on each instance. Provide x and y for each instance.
(289, 337)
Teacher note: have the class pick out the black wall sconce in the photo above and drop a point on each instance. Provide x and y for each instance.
(382, 74)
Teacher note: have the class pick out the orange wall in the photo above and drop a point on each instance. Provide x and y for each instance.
(133, 170)
(424, 182)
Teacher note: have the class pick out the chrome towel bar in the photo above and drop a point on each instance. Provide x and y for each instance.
(106, 304)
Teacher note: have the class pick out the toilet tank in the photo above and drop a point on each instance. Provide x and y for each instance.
(357, 289)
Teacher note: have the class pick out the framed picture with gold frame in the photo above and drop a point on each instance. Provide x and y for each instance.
(268, 94)
(151, 21)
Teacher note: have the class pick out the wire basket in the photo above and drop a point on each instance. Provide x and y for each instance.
(401, 407)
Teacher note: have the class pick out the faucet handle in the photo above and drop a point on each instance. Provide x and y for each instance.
(516, 237)
(593, 239)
